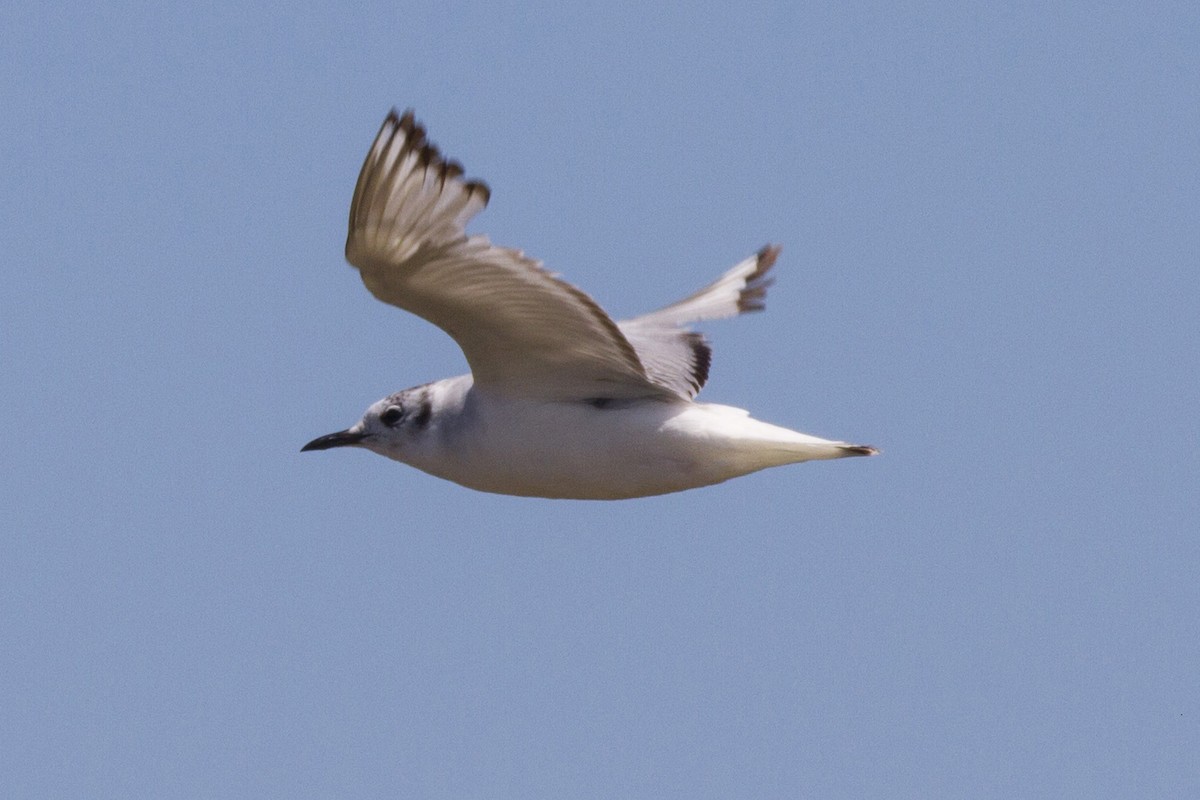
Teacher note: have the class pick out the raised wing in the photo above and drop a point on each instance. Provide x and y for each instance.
(678, 358)
(524, 331)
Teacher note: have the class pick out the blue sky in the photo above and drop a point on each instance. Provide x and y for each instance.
(989, 221)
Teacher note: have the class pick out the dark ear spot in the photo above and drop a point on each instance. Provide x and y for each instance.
(423, 413)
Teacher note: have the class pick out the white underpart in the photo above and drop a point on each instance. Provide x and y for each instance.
(574, 450)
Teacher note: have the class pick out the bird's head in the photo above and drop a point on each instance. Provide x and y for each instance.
(386, 427)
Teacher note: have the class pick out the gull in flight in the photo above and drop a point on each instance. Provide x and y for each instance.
(562, 401)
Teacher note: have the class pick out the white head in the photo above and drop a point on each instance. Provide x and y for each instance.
(387, 427)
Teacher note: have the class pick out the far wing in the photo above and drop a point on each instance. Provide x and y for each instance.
(524, 331)
(741, 289)
(678, 358)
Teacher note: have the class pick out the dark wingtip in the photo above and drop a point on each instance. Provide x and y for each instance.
(413, 132)
(451, 169)
(766, 258)
(701, 359)
(481, 188)
(754, 296)
(406, 121)
(858, 450)
(429, 156)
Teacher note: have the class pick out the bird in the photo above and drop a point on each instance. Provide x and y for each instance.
(561, 401)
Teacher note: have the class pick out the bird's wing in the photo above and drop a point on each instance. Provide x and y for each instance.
(743, 288)
(678, 358)
(524, 331)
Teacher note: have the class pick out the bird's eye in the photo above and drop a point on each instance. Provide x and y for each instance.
(392, 416)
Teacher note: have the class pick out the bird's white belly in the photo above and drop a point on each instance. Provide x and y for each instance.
(575, 450)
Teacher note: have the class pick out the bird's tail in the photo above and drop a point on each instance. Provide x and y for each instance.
(856, 450)
(753, 444)
(815, 449)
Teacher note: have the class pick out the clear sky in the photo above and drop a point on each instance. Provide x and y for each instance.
(991, 227)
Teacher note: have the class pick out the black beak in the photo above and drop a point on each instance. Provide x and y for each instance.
(339, 439)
